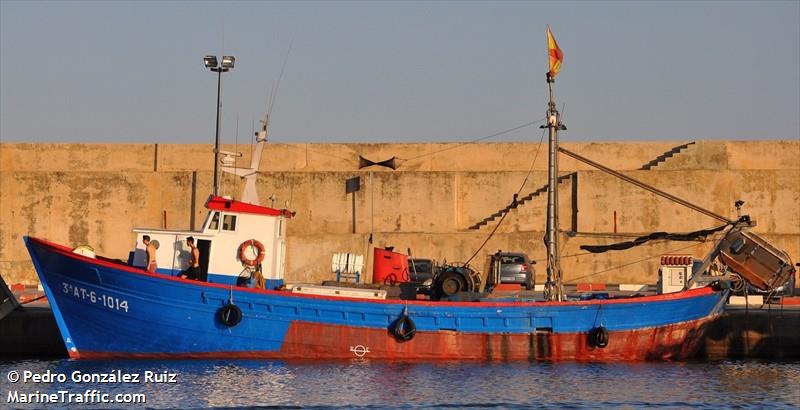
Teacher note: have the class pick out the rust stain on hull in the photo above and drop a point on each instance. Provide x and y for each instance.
(306, 341)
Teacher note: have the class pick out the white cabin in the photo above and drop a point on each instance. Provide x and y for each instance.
(230, 226)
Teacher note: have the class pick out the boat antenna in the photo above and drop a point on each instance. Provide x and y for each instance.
(554, 288)
(274, 92)
(235, 149)
(250, 194)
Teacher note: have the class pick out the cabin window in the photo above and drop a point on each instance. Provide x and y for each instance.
(214, 224)
(229, 222)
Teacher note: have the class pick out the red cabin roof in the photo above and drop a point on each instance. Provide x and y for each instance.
(218, 203)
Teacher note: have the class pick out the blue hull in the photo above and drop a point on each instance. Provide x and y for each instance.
(107, 309)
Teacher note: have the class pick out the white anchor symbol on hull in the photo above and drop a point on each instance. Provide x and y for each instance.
(359, 350)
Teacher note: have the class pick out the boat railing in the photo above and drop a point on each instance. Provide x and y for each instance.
(171, 231)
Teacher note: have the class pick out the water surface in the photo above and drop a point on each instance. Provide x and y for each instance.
(363, 384)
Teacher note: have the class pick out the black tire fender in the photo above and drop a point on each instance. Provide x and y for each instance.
(230, 315)
(403, 329)
(599, 336)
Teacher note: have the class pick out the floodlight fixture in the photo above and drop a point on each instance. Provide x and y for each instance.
(211, 61)
(227, 61)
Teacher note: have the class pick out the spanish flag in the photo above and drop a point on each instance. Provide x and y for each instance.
(556, 55)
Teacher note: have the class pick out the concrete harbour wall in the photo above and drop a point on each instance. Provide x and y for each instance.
(96, 193)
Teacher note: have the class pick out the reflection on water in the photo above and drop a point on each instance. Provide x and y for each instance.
(212, 383)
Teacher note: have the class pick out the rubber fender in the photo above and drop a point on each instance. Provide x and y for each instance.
(599, 336)
(230, 315)
(404, 329)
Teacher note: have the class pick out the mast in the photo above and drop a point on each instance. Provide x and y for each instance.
(554, 288)
(250, 194)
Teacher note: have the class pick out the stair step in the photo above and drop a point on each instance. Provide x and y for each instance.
(663, 157)
(520, 201)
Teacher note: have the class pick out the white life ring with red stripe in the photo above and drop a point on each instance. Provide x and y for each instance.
(259, 256)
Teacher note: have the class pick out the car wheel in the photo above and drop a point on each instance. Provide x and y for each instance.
(529, 285)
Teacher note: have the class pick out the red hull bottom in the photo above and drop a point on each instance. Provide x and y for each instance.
(309, 341)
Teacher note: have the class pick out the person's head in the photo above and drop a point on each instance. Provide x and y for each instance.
(146, 239)
(190, 241)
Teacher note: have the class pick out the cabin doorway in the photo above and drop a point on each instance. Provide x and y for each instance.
(204, 246)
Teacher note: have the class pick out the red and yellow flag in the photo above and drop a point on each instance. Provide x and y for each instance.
(556, 55)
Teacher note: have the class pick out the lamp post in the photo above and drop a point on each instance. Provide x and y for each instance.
(227, 64)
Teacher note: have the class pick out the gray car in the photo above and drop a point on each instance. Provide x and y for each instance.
(514, 268)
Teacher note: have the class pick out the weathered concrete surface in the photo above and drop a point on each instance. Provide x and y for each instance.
(93, 193)
(511, 156)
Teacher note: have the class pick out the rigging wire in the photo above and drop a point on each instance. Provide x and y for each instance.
(236, 159)
(280, 77)
(32, 300)
(486, 240)
(525, 181)
(575, 255)
(657, 255)
(350, 160)
(513, 202)
(606, 235)
(475, 140)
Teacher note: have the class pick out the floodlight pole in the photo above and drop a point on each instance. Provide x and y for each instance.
(211, 63)
(219, 71)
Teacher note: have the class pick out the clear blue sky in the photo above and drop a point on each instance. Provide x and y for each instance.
(395, 71)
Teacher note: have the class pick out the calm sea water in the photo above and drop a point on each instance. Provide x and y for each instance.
(212, 383)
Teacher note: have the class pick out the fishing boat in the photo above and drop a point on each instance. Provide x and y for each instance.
(107, 308)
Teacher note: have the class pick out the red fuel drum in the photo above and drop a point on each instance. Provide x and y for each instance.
(389, 267)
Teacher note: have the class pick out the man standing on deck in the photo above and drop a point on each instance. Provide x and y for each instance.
(193, 271)
(151, 253)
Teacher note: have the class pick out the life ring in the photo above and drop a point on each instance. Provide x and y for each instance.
(255, 244)
(599, 336)
(404, 328)
(230, 315)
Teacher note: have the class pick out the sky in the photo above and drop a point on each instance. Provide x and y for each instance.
(132, 72)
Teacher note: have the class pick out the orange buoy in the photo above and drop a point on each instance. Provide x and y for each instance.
(252, 243)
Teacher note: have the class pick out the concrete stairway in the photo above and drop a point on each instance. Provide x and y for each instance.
(663, 157)
(518, 202)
